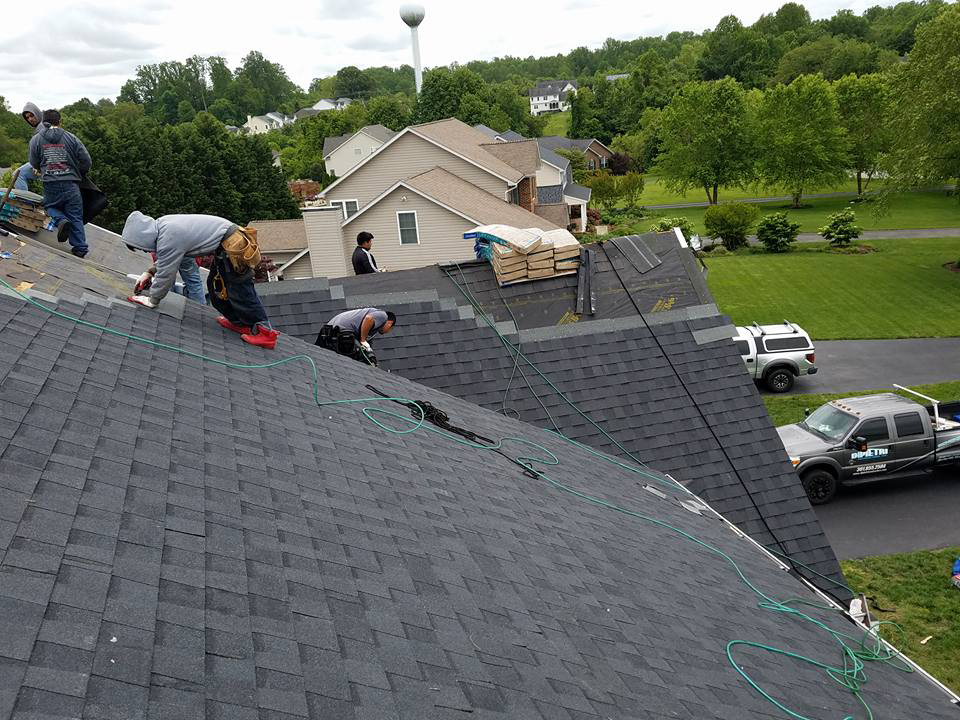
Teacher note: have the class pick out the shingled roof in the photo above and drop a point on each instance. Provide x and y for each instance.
(186, 539)
(668, 385)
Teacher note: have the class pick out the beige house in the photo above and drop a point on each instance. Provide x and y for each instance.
(342, 152)
(285, 242)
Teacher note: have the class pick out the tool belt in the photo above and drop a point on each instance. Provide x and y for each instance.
(242, 249)
(343, 343)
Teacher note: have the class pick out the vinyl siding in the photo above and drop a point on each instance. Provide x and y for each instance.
(548, 175)
(345, 156)
(440, 231)
(325, 239)
(297, 271)
(408, 156)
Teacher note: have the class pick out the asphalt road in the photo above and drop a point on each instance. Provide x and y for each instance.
(895, 516)
(857, 365)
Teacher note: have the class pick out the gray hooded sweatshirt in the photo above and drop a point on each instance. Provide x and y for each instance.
(172, 238)
(58, 154)
(37, 113)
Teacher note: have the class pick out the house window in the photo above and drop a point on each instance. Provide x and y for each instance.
(407, 225)
(603, 161)
(591, 165)
(347, 207)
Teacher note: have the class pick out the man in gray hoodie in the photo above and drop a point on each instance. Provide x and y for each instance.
(33, 117)
(62, 161)
(178, 240)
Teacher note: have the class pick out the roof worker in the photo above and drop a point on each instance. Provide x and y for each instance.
(61, 161)
(33, 117)
(349, 332)
(363, 260)
(178, 240)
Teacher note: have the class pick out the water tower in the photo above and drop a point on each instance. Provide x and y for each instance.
(412, 15)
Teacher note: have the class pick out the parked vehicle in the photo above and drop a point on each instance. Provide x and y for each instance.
(862, 439)
(775, 355)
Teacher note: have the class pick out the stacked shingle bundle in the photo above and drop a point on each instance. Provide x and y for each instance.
(24, 210)
(531, 254)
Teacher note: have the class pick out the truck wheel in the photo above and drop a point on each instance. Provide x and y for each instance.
(820, 486)
(780, 380)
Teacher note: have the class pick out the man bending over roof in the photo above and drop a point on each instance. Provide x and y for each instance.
(349, 332)
(178, 240)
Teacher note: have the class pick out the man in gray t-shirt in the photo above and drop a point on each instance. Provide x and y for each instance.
(364, 323)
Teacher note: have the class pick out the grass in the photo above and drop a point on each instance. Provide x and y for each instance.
(902, 290)
(916, 588)
(654, 192)
(557, 123)
(935, 209)
(787, 409)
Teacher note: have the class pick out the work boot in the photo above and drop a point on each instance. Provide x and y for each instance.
(241, 329)
(264, 337)
(63, 232)
(79, 253)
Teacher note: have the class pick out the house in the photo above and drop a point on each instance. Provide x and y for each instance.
(638, 357)
(617, 76)
(342, 152)
(420, 191)
(331, 103)
(305, 113)
(595, 152)
(285, 242)
(183, 536)
(505, 136)
(550, 96)
(555, 185)
(259, 124)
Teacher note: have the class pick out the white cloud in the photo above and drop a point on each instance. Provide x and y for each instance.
(99, 43)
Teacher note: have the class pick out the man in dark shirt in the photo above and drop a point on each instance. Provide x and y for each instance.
(363, 260)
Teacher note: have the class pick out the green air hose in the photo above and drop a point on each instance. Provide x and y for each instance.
(855, 652)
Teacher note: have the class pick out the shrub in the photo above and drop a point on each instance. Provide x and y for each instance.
(731, 223)
(841, 228)
(776, 232)
(669, 223)
(619, 164)
(593, 216)
(717, 250)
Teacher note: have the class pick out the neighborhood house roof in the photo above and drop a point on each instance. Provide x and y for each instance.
(551, 87)
(522, 155)
(555, 142)
(332, 143)
(190, 538)
(577, 191)
(464, 140)
(280, 235)
(466, 199)
(551, 157)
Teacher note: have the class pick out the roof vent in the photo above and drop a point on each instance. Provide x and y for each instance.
(651, 489)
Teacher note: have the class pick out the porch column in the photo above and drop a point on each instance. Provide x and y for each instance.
(583, 217)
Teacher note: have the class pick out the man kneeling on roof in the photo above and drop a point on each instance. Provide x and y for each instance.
(178, 240)
(349, 332)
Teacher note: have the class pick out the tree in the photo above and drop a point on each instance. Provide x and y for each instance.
(742, 53)
(578, 163)
(896, 27)
(185, 111)
(630, 187)
(392, 111)
(841, 228)
(925, 118)
(605, 190)
(633, 148)
(583, 116)
(352, 82)
(707, 138)
(791, 17)
(731, 223)
(833, 58)
(847, 23)
(442, 91)
(800, 138)
(619, 164)
(864, 106)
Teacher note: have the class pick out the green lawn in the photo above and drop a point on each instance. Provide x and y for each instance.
(903, 211)
(902, 290)
(787, 409)
(557, 124)
(916, 588)
(654, 193)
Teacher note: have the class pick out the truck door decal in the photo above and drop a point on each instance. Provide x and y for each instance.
(871, 454)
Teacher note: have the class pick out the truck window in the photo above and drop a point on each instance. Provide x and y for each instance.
(797, 342)
(875, 429)
(743, 347)
(908, 424)
(829, 422)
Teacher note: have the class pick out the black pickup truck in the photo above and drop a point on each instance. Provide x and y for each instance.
(862, 439)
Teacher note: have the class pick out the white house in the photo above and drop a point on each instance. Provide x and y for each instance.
(342, 152)
(331, 103)
(550, 96)
(259, 124)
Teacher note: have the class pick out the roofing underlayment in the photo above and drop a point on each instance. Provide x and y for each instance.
(653, 366)
(193, 537)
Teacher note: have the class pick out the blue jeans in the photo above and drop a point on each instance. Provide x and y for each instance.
(192, 282)
(62, 201)
(26, 173)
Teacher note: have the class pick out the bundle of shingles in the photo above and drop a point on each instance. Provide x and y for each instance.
(532, 254)
(23, 210)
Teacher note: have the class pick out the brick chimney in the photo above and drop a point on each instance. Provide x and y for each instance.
(527, 190)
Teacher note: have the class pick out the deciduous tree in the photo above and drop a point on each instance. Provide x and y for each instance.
(864, 106)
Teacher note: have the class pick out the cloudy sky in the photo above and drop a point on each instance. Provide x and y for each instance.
(60, 52)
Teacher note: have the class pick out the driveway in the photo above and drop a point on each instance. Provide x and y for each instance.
(894, 517)
(857, 365)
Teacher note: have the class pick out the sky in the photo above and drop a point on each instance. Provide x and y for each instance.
(60, 52)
